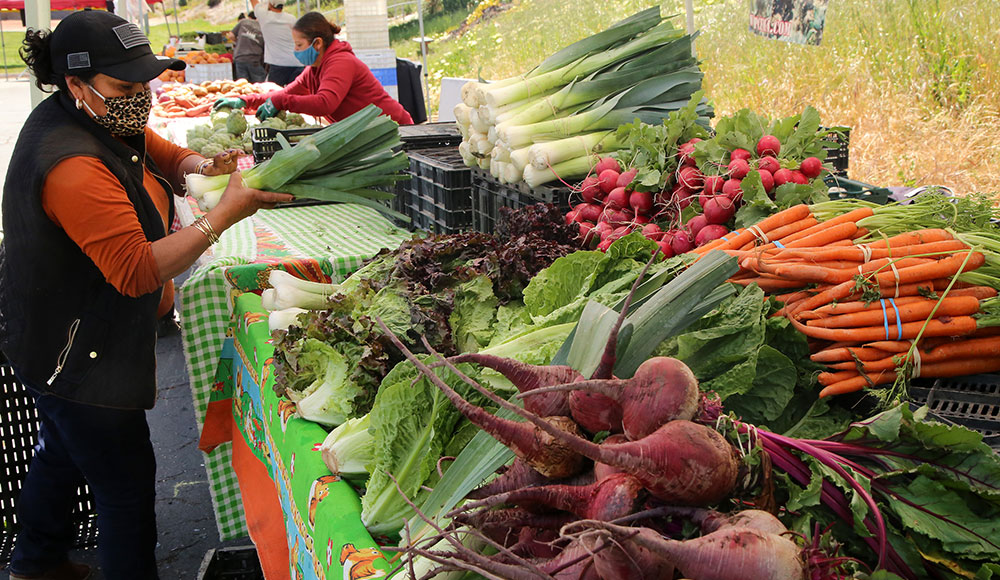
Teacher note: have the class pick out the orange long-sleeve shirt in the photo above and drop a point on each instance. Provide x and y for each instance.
(87, 201)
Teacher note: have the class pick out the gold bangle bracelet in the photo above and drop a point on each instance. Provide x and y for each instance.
(204, 226)
(202, 165)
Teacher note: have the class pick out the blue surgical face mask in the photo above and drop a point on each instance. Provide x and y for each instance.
(307, 56)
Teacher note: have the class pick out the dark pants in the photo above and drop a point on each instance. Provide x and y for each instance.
(110, 448)
(250, 70)
(282, 75)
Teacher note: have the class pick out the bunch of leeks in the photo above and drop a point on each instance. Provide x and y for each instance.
(551, 122)
(342, 162)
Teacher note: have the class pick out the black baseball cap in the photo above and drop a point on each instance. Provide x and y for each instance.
(99, 41)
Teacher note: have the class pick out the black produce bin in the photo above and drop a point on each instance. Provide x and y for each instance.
(18, 430)
(972, 401)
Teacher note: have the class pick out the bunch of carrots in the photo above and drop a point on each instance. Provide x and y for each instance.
(875, 312)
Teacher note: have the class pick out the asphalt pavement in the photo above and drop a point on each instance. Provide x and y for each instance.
(184, 514)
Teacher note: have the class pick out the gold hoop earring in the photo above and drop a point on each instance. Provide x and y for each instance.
(79, 104)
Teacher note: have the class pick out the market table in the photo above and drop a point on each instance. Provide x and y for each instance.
(310, 241)
(304, 521)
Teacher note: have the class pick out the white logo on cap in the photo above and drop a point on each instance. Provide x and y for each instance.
(130, 35)
(75, 60)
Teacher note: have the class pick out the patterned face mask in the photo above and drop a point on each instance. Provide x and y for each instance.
(127, 116)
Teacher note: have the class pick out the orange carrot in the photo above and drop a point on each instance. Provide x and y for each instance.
(954, 326)
(849, 217)
(768, 284)
(815, 273)
(955, 367)
(832, 355)
(782, 232)
(895, 278)
(913, 238)
(784, 217)
(840, 308)
(857, 253)
(823, 236)
(950, 306)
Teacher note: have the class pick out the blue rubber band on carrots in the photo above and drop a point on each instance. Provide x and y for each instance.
(899, 322)
(779, 244)
(885, 319)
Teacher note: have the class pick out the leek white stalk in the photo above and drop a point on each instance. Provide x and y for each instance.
(283, 319)
(484, 163)
(461, 112)
(282, 278)
(491, 135)
(520, 158)
(544, 155)
(477, 122)
(567, 170)
(284, 296)
(501, 152)
(510, 173)
(465, 150)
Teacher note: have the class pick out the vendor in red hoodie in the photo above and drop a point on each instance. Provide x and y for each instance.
(334, 85)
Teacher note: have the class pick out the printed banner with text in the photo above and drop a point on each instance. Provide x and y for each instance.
(799, 21)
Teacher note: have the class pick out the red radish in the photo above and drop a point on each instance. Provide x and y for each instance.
(607, 163)
(703, 198)
(589, 212)
(732, 188)
(665, 248)
(617, 198)
(641, 202)
(602, 229)
(590, 188)
(626, 178)
(768, 163)
(617, 217)
(526, 377)
(690, 178)
(713, 184)
(694, 140)
(608, 180)
(681, 243)
(587, 232)
(799, 177)
(766, 179)
(740, 154)
(663, 389)
(605, 244)
(651, 230)
(662, 199)
(709, 233)
(696, 223)
(610, 498)
(782, 176)
(570, 217)
(811, 167)
(595, 412)
(719, 210)
(681, 197)
(726, 554)
(738, 169)
(685, 155)
(768, 145)
(642, 219)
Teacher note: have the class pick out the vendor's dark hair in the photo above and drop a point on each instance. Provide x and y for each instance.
(36, 52)
(315, 25)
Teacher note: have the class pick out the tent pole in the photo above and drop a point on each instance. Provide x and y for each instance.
(37, 16)
(423, 54)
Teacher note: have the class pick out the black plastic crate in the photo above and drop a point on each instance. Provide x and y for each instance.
(18, 430)
(239, 563)
(489, 195)
(837, 156)
(442, 165)
(843, 188)
(265, 140)
(430, 135)
(972, 401)
(442, 222)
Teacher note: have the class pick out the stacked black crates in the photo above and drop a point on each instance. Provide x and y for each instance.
(489, 195)
(438, 195)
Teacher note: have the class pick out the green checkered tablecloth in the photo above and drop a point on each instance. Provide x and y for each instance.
(334, 238)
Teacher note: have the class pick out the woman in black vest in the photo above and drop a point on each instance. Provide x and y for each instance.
(79, 289)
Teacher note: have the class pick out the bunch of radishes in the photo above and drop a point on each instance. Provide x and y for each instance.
(613, 207)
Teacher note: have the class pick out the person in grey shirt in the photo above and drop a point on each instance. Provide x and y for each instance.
(282, 66)
(248, 54)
